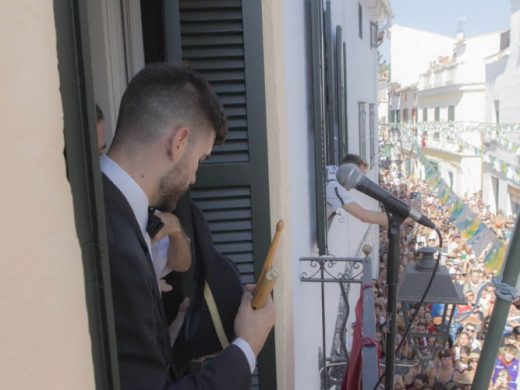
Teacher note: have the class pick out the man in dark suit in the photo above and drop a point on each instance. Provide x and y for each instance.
(168, 121)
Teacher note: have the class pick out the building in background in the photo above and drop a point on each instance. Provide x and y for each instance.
(453, 86)
(500, 181)
(383, 93)
(450, 88)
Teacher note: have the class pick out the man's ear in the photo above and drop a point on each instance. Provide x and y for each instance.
(178, 142)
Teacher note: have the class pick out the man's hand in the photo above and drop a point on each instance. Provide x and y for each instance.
(171, 226)
(179, 249)
(254, 325)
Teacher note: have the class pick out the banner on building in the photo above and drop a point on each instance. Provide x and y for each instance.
(483, 241)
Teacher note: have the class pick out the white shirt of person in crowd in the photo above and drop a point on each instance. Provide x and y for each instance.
(337, 195)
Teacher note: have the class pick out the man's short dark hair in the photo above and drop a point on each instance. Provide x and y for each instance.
(354, 159)
(161, 95)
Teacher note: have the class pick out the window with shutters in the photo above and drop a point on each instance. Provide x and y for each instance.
(318, 104)
(372, 132)
(360, 21)
(373, 35)
(362, 121)
(228, 213)
(341, 88)
(329, 103)
(425, 115)
(331, 125)
(451, 113)
(514, 199)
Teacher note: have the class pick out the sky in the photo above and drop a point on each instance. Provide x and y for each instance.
(440, 16)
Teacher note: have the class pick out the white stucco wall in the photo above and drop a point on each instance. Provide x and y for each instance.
(292, 188)
(470, 54)
(503, 85)
(44, 329)
(471, 175)
(466, 173)
(503, 76)
(292, 175)
(298, 86)
(503, 200)
(361, 66)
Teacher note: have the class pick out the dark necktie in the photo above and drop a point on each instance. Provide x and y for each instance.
(154, 223)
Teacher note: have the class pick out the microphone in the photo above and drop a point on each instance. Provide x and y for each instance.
(349, 176)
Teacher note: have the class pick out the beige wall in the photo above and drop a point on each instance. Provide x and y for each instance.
(279, 186)
(44, 335)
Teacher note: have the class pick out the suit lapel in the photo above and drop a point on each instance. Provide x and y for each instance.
(118, 200)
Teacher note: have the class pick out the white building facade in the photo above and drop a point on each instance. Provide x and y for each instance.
(453, 87)
(501, 187)
(451, 91)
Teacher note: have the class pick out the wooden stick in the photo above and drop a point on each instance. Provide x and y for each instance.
(268, 262)
(264, 290)
(265, 285)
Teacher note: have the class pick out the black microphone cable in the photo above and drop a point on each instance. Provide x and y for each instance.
(407, 330)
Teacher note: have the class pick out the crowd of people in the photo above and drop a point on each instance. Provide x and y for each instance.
(426, 360)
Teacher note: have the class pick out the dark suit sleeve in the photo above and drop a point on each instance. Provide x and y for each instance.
(143, 344)
(228, 370)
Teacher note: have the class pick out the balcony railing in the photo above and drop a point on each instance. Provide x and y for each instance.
(439, 77)
(344, 272)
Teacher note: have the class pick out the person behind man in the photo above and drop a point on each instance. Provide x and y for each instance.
(100, 130)
(338, 196)
(169, 119)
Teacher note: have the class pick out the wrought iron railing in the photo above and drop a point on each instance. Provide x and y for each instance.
(344, 272)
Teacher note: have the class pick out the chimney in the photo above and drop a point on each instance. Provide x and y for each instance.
(461, 23)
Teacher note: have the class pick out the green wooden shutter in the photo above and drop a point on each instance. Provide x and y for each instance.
(318, 103)
(330, 90)
(341, 90)
(223, 41)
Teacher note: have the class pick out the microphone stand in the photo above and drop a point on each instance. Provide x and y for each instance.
(394, 230)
